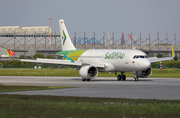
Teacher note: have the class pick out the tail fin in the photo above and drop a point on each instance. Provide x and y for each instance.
(130, 38)
(8, 52)
(65, 38)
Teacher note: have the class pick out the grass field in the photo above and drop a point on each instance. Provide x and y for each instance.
(10, 88)
(36, 106)
(174, 73)
(33, 106)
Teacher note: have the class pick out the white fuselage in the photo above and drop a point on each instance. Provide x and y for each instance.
(117, 60)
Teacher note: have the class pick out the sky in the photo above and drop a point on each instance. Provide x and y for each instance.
(127, 16)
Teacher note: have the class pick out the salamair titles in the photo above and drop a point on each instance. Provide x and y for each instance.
(114, 55)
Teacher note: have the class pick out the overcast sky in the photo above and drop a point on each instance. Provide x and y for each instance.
(145, 16)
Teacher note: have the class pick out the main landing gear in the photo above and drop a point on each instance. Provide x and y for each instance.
(135, 77)
(86, 79)
(121, 77)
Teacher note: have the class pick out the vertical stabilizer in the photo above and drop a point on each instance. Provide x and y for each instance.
(65, 38)
(8, 52)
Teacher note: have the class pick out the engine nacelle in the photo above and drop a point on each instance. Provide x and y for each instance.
(144, 73)
(88, 72)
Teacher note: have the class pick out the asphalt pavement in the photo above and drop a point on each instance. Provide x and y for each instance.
(109, 87)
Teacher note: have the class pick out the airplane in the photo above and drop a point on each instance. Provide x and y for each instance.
(9, 54)
(91, 62)
(133, 40)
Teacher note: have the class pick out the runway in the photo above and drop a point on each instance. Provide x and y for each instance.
(146, 88)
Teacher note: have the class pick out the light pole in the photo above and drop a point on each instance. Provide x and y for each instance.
(50, 31)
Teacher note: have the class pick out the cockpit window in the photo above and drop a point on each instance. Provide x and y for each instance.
(140, 56)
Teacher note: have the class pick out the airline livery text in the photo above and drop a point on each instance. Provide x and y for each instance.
(114, 55)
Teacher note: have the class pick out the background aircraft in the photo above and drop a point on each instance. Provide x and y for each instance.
(9, 54)
(90, 62)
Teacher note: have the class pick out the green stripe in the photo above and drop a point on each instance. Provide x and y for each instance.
(72, 54)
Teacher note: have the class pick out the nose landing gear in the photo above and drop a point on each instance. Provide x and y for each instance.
(135, 77)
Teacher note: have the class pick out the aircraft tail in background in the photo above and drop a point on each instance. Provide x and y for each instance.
(122, 40)
(130, 38)
(10, 53)
(65, 38)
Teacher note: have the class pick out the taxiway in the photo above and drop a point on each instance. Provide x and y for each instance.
(146, 88)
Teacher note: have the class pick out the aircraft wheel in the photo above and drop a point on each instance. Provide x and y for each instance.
(83, 79)
(134, 79)
(119, 77)
(123, 77)
(88, 79)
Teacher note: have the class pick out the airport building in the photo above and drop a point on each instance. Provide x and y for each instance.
(43, 39)
(29, 40)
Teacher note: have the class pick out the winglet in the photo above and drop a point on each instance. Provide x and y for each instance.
(8, 52)
(173, 54)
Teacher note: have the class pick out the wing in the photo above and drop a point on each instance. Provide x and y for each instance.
(62, 62)
(155, 59)
(152, 60)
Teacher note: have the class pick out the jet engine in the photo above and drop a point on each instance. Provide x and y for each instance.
(144, 73)
(88, 72)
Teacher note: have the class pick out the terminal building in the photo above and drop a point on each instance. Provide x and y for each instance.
(30, 40)
(43, 39)
(28, 30)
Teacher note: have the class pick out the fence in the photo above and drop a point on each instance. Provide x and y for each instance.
(42, 41)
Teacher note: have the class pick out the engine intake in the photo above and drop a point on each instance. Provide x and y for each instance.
(144, 73)
(88, 72)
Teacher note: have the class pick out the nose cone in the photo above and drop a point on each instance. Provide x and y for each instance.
(146, 64)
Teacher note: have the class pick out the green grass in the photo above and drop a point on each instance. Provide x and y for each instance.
(83, 107)
(10, 88)
(173, 73)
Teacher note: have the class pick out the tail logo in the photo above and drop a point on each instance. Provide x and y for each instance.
(64, 37)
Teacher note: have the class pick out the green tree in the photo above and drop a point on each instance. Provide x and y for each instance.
(25, 57)
(22, 57)
(49, 57)
(159, 55)
(15, 62)
(38, 56)
(30, 57)
(176, 58)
